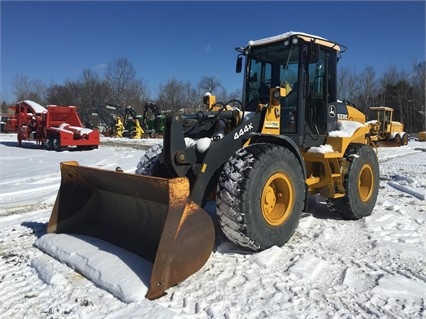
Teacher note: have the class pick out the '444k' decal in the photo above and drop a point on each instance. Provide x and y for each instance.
(248, 127)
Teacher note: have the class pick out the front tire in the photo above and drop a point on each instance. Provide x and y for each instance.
(19, 140)
(150, 163)
(361, 183)
(260, 196)
(397, 140)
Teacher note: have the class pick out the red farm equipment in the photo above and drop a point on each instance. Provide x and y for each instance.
(11, 123)
(55, 127)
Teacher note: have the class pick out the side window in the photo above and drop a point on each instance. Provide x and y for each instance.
(259, 84)
(316, 102)
(289, 104)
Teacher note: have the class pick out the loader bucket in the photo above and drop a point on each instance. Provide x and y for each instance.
(149, 216)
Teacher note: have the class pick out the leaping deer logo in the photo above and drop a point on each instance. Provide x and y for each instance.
(332, 111)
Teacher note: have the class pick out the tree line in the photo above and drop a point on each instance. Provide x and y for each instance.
(402, 90)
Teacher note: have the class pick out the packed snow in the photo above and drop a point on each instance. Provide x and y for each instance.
(322, 149)
(330, 268)
(35, 106)
(345, 129)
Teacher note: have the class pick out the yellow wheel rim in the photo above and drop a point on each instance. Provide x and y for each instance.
(277, 199)
(365, 183)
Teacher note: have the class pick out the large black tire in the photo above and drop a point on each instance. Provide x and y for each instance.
(57, 144)
(404, 139)
(397, 140)
(19, 140)
(49, 144)
(150, 165)
(260, 196)
(361, 183)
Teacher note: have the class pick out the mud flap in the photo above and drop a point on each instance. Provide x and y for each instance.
(149, 216)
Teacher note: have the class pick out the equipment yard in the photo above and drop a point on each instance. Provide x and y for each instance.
(330, 268)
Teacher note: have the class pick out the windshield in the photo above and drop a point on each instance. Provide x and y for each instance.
(270, 66)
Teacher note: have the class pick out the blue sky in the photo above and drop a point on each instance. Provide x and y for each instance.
(55, 41)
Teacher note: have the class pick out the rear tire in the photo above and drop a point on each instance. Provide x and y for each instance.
(404, 139)
(49, 144)
(57, 144)
(361, 183)
(260, 196)
(150, 164)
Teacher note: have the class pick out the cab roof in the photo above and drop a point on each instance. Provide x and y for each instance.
(304, 36)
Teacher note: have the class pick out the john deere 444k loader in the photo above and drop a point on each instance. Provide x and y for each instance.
(259, 158)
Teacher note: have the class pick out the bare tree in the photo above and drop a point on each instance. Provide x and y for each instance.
(136, 96)
(3, 107)
(389, 78)
(26, 89)
(62, 94)
(120, 76)
(367, 89)
(346, 83)
(209, 84)
(175, 95)
(92, 88)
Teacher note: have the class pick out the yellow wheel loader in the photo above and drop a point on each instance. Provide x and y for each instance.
(258, 158)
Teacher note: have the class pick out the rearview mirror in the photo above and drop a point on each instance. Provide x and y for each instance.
(239, 65)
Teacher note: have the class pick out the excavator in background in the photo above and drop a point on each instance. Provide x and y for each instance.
(125, 122)
(119, 121)
(107, 113)
(383, 130)
(153, 121)
(289, 137)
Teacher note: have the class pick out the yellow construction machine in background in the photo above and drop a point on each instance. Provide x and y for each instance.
(383, 130)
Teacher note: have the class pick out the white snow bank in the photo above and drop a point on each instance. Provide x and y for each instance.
(47, 272)
(323, 149)
(359, 280)
(399, 287)
(308, 268)
(268, 257)
(117, 270)
(345, 129)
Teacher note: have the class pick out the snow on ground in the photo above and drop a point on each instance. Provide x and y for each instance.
(331, 268)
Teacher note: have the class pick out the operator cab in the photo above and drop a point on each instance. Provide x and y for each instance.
(306, 66)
